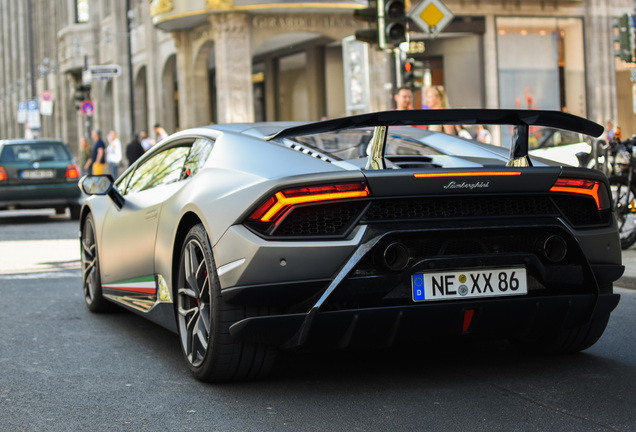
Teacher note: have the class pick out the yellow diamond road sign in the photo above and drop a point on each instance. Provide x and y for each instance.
(431, 16)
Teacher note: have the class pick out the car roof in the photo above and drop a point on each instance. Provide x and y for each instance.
(30, 141)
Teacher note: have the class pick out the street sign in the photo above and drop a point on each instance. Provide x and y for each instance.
(22, 112)
(431, 16)
(87, 107)
(46, 103)
(104, 71)
(33, 115)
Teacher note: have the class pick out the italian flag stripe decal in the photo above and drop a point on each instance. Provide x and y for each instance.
(143, 285)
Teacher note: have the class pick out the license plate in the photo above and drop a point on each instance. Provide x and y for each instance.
(37, 174)
(455, 285)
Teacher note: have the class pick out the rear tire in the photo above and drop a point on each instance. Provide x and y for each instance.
(91, 279)
(204, 320)
(624, 199)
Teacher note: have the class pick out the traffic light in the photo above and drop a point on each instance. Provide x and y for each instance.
(82, 92)
(387, 23)
(413, 72)
(623, 28)
(395, 20)
(370, 15)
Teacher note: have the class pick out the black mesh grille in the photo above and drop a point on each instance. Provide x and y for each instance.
(579, 211)
(319, 220)
(458, 207)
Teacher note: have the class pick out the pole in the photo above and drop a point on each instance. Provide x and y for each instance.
(130, 69)
(31, 44)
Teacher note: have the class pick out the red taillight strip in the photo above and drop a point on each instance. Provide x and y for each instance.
(3, 174)
(277, 205)
(469, 174)
(580, 187)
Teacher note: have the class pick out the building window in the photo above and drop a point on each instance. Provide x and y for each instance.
(541, 64)
(82, 11)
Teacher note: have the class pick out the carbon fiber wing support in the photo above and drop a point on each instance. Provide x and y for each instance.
(521, 119)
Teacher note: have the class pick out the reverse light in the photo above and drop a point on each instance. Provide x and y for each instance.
(583, 187)
(279, 204)
(3, 174)
(72, 172)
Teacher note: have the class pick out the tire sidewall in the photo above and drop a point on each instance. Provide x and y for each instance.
(98, 303)
(198, 234)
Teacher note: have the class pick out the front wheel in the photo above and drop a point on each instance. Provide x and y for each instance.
(204, 320)
(624, 197)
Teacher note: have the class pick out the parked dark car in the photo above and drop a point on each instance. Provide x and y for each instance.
(38, 173)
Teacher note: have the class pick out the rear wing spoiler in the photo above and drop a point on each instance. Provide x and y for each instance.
(521, 119)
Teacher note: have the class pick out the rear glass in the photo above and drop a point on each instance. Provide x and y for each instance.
(354, 143)
(34, 152)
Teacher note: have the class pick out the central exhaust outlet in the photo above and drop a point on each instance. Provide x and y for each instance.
(394, 256)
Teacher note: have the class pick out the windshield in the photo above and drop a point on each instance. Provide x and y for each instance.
(354, 143)
(34, 152)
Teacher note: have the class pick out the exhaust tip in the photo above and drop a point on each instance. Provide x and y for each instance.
(555, 248)
(394, 256)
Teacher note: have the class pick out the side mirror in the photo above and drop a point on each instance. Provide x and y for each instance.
(101, 185)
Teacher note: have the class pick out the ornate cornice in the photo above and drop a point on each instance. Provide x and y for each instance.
(158, 7)
(219, 4)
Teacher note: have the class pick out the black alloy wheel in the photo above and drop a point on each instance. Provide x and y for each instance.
(204, 320)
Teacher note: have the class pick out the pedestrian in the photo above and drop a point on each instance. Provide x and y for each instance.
(98, 156)
(146, 141)
(85, 156)
(404, 98)
(483, 135)
(435, 98)
(610, 131)
(134, 150)
(462, 132)
(113, 153)
(160, 132)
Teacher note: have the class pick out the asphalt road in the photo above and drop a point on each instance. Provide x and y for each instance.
(65, 369)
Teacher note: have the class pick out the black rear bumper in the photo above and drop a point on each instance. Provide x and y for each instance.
(381, 327)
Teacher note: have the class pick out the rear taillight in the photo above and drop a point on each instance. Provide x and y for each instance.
(72, 172)
(584, 187)
(281, 202)
(3, 174)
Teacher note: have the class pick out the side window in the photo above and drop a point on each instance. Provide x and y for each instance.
(199, 154)
(162, 168)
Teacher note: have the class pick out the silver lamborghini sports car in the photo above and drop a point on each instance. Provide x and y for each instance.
(248, 239)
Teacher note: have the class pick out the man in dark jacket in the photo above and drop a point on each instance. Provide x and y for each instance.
(134, 150)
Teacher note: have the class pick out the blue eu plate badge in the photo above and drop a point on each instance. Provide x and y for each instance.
(419, 293)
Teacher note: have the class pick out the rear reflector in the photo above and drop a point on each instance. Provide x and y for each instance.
(468, 318)
(276, 206)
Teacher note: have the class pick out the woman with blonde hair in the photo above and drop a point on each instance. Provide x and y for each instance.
(435, 98)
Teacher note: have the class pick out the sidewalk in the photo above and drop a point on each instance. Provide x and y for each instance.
(628, 280)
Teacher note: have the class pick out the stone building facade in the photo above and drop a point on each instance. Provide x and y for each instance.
(187, 63)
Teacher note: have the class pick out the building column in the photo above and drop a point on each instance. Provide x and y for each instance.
(233, 61)
(600, 62)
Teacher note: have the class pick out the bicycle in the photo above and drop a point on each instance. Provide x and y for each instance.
(620, 167)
